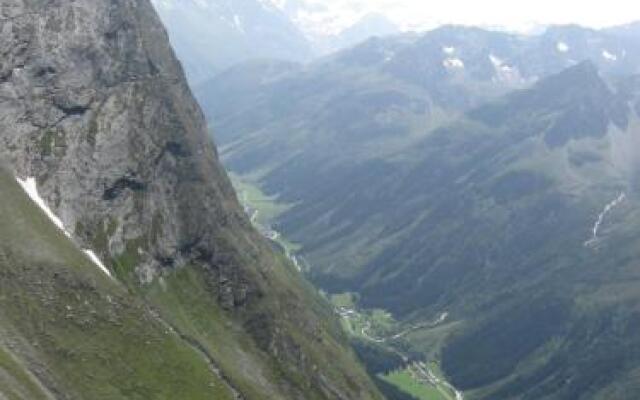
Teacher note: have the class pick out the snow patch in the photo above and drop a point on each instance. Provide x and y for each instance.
(238, 23)
(452, 63)
(607, 208)
(609, 56)
(30, 186)
(495, 61)
(443, 317)
(499, 64)
(505, 72)
(562, 47)
(448, 50)
(94, 258)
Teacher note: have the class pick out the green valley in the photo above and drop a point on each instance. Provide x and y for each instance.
(377, 326)
(378, 329)
(505, 205)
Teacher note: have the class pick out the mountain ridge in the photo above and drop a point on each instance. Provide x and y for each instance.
(241, 30)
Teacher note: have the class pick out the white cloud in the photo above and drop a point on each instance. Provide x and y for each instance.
(333, 15)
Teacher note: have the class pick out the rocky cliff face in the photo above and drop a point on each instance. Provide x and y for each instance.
(94, 105)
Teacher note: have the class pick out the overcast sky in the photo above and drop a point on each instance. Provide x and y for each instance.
(509, 14)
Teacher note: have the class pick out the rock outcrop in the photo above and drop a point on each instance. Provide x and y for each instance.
(94, 105)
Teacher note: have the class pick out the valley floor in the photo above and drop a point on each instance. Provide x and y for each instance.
(419, 379)
(422, 380)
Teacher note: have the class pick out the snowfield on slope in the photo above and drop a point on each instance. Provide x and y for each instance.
(30, 186)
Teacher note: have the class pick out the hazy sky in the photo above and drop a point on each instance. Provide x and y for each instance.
(510, 14)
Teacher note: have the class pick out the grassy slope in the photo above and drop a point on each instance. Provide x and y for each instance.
(241, 341)
(185, 301)
(84, 332)
(79, 332)
(16, 382)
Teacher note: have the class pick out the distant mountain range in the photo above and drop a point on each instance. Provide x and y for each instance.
(371, 25)
(212, 35)
(630, 31)
(486, 175)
